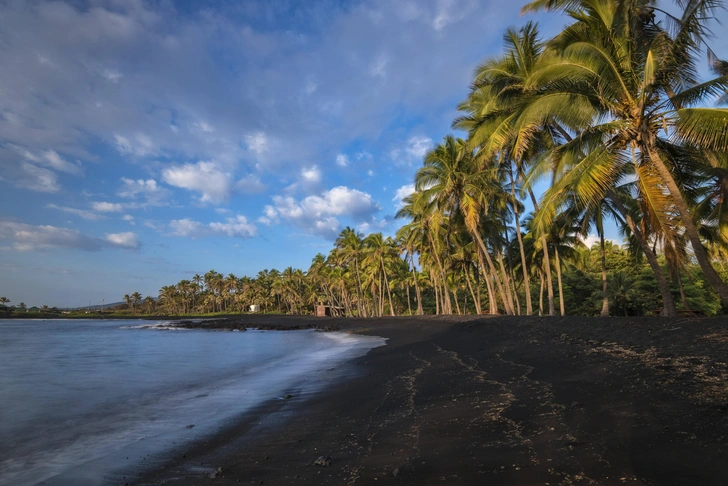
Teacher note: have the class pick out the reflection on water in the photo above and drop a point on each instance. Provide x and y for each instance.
(76, 392)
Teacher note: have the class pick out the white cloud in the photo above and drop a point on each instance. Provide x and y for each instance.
(85, 214)
(250, 184)
(238, 226)
(319, 214)
(257, 142)
(138, 144)
(592, 240)
(402, 193)
(311, 175)
(203, 177)
(342, 160)
(124, 240)
(111, 75)
(418, 146)
(411, 151)
(152, 193)
(37, 179)
(55, 161)
(26, 237)
(107, 207)
(204, 127)
(129, 218)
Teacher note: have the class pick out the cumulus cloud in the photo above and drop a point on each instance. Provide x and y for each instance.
(203, 177)
(123, 240)
(107, 207)
(411, 151)
(320, 214)
(148, 190)
(402, 193)
(26, 237)
(250, 184)
(592, 240)
(342, 160)
(239, 226)
(83, 213)
(257, 142)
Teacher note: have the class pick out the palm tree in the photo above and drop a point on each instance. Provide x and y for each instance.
(627, 86)
(4, 301)
(497, 99)
(349, 243)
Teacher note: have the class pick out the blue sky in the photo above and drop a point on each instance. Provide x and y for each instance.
(143, 142)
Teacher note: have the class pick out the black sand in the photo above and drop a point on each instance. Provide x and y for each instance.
(457, 400)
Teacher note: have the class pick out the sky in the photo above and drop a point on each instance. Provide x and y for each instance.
(142, 142)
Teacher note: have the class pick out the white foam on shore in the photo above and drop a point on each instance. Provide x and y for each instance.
(91, 446)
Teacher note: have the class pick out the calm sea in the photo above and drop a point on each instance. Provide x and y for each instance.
(80, 399)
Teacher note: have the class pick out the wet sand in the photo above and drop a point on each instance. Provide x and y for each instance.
(499, 400)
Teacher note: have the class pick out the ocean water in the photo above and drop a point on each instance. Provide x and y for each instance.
(81, 399)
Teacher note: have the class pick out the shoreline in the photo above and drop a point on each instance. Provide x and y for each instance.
(498, 400)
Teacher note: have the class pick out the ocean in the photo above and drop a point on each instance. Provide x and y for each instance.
(81, 400)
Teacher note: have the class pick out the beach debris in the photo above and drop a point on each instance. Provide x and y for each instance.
(323, 461)
(216, 473)
(395, 472)
(190, 426)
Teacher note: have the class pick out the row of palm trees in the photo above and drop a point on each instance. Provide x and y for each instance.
(610, 111)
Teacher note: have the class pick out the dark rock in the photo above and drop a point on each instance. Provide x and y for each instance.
(323, 461)
(190, 426)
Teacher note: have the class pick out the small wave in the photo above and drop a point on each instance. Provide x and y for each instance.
(157, 326)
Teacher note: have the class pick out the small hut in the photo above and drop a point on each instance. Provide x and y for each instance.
(329, 311)
(255, 308)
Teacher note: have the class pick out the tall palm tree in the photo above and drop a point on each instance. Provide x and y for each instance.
(497, 98)
(619, 77)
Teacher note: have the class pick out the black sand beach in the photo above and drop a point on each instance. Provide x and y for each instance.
(500, 400)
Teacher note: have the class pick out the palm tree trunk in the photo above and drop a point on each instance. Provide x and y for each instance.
(389, 292)
(506, 282)
(457, 304)
(668, 304)
(436, 286)
(605, 295)
(526, 281)
(540, 297)
(682, 291)
(409, 302)
(494, 272)
(558, 277)
(360, 291)
(698, 249)
(417, 290)
(549, 283)
(447, 305)
(472, 294)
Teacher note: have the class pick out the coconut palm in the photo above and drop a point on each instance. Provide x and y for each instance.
(627, 85)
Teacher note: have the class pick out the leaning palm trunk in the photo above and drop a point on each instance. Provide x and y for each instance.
(446, 304)
(605, 296)
(549, 283)
(418, 295)
(472, 294)
(700, 254)
(668, 304)
(526, 281)
(558, 277)
(389, 292)
(493, 271)
(506, 282)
